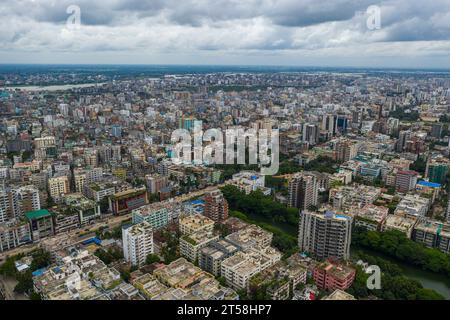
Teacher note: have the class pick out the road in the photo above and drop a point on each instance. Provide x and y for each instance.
(7, 289)
(110, 222)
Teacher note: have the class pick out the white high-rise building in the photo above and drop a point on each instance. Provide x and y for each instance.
(137, 243)
(325, 235)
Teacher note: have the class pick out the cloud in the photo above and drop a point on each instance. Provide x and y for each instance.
(227, 27)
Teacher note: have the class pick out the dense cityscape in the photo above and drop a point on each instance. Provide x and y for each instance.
(94, 207)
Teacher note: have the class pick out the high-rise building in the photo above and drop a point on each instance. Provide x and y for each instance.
(9, 204)
(310, 133)
(405, 180)
(325, 235)
(137, 243)
(58, 186)
(303, 191)
(156, 182)
(216, 206)
(346, 150)
(329, 123)
(29, 199)
(15, 201)
(436, 130)
(437, 171)
(403, 137)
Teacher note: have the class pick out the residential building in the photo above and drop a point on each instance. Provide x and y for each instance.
(191, 244)
(58, 186)
(325, 235)
(137, 242)
(216, 206)
(156, 214)
(332, 275)
(406, 180)
(210, 257)
(303, 191)
(195, 223)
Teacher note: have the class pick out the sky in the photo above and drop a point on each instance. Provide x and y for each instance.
(358, 33)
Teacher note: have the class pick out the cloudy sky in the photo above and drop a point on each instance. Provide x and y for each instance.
(412, 33)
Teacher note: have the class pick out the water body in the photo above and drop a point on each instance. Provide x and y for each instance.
(55, 87)
(437, 282)
(430, 280)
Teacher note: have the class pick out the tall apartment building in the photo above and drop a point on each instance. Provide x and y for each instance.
(137, 243)
(156, 182)
(9, 204)
(346, 150)
(216, 206)
(156, 214)
(86, 176)
(15, 201)
(403, 137)
(437, 170)
(14, 234)
(58, 186)
(44, 142)
(303, 191)
(325, 235)
(310, 133)
(405, 180)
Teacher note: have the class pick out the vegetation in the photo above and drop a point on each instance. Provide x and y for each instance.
(152, 258)
(396, 245)
(41, 259)
(322, 164)
(257, 204)
(405, 116)
(110, 255)
(419, 165)
(169, 251)
(394, 286)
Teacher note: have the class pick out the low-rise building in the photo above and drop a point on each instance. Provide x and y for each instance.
(371, 217)
(401, 222)
(79, 276)
(194, 223)
(331, 275)
(192, 243)
(250, 236)
(211, 256)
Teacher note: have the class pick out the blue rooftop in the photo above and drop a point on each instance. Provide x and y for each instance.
(342, 216)
(429, 184)
(198, 201)
(39, 272)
